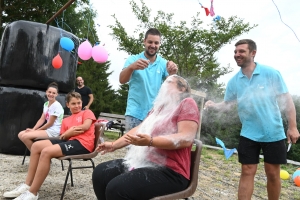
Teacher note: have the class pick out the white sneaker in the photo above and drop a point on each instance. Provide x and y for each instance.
(27, 196)
(16, 192)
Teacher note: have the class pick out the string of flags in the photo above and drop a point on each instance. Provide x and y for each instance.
(210, 11)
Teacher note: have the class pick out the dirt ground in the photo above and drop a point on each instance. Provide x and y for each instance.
(218, 178)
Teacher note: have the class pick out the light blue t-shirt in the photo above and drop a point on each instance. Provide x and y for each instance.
(144, 85)
(257, 103)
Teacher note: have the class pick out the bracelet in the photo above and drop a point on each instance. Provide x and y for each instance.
(151, 141)
(112, 146)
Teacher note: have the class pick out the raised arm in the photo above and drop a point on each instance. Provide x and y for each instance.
(222, 106)
(126, 73)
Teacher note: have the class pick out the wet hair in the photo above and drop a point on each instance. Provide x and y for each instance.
(71, 95)
(53, 85)
(152, 31)
(251, 44)
(183, 86)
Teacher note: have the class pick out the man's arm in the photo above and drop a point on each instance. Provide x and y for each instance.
(126, 73)
(90, 101)
(287, 105)
(222, 106)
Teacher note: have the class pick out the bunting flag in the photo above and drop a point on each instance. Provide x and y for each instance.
(212, 13)
(206, 9)
(227, 152)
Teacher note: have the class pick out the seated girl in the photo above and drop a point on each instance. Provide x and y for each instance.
(53, 113)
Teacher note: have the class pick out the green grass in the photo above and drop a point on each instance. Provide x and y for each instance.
(109, 135)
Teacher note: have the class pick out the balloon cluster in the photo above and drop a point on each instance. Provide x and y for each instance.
(98, 52)
(68, 45)
(296, 177)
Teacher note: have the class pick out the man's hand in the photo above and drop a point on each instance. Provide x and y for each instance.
(140, 64)
(292, 135)
(209, 104)
(172, 68)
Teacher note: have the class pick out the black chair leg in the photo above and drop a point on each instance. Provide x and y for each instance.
(71, 173)
(25, 154)
(62, 165)
(66, 181)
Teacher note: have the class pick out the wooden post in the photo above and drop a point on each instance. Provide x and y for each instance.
(60, 11)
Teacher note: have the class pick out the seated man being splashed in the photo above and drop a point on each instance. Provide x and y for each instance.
(158, 161)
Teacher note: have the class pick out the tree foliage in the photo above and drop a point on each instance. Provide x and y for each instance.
(192, 46)
(77, 19)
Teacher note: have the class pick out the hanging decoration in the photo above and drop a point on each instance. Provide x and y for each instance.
(57, 62)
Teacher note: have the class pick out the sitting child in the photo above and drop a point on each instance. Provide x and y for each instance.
(76, 137)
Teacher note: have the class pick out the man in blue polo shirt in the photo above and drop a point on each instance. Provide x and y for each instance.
(144, 73)
(257, 89)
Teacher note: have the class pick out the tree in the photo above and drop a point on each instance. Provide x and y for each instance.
(191, 47)
(77, 19)
(95, 76)
(120, 102)
(38, 11)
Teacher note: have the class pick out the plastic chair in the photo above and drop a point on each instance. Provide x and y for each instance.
(195, 162)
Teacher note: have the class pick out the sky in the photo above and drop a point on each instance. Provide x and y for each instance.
(278, 45)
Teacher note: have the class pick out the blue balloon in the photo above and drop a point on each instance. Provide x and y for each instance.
(296, 173)
(66, 43)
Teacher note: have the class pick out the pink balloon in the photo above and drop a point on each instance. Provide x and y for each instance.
(85, 50)
(99, 54)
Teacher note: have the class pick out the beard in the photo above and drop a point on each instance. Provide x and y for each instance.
(150, 54)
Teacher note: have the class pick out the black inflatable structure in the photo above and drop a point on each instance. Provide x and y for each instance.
(26, 53)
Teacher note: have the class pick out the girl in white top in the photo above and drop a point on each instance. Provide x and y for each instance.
(53, 113)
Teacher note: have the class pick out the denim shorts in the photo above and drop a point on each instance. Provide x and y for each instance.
(131, 122)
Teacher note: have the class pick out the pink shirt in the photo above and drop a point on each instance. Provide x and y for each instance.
(87, 138)
(178, 160)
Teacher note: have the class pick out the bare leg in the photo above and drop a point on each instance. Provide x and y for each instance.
(39, 172)
(34, 159)
(246, 184)
(273, 180)
(27, 137)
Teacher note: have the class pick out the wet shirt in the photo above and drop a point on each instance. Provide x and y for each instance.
(257, 103)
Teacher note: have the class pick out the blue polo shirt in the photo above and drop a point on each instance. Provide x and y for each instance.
(144, 85)
(257, 103)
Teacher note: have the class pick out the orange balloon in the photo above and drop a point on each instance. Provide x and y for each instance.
(57, 62)
(297, 181)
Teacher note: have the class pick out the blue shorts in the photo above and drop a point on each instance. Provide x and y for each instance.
(70, 147)
(249, 150)
(131, 122)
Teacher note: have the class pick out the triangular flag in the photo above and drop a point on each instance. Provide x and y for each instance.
(212, 13)
(227, 152)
